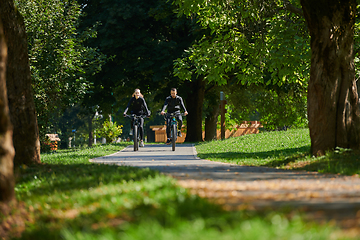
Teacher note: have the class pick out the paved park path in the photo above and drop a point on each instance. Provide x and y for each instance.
(322, 196)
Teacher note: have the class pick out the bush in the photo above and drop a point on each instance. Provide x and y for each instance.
(110, 131)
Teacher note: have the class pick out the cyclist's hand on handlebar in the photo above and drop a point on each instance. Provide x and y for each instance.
(186, 113)
(124, 114)
(162, 113)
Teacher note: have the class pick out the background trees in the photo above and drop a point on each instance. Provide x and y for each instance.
(257, 39)
(61, 65)
(142, 38)
(258, 49)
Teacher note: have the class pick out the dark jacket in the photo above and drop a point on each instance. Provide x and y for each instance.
(137, 106)
(174, 104)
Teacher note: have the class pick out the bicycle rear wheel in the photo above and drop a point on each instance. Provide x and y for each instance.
(174, 136)
(135, 136)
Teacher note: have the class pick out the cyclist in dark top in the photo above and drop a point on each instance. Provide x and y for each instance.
(137, 106)
(173, 103)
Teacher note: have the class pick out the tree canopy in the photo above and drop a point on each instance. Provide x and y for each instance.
(249, 40)
(61, 64)
(260, 47)
(142, 38)
(254, 39)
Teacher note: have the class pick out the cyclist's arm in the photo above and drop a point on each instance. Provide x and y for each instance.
(164, 107)
(146, 108)
(182, 104)
(127, 107)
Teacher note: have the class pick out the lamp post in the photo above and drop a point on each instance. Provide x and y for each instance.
(74, 131)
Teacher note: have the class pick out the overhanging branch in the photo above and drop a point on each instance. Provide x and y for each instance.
(291, 8)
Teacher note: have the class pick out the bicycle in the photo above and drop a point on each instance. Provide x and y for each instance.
(136, 125)
(173, 126)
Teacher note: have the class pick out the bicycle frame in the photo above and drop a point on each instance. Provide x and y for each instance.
(136, 125)
(173, 126)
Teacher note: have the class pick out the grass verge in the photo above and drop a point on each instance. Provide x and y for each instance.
(67, 197)
(280, 149)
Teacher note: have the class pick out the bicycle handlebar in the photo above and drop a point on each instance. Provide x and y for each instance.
(174, 114)
(135, 116)
(170, 115)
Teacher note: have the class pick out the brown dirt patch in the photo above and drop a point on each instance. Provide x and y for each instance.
(13, 218)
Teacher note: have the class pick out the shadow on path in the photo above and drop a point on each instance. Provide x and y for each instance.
(237, 187)
(184, 164)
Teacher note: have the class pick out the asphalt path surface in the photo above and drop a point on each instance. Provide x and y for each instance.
(238, 187)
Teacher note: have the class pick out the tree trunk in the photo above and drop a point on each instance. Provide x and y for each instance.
(18, 80)
(211, 124)
(6, 147)
(333, 104)
(194, 105)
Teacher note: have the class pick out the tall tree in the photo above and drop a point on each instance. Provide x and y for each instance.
(211, 111)
(194, 104)
(333, 105)
(6, 147)
(19, 89)
(333, 102)
(60, 63)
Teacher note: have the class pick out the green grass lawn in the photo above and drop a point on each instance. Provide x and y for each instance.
(67, 197)
(280, 149)
(257, 149)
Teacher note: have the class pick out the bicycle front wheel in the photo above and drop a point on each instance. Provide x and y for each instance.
(135, 136)
(174, 136)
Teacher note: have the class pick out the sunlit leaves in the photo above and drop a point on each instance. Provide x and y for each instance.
(213, 57)
(59, 62)
(257, 43)
(264, 38)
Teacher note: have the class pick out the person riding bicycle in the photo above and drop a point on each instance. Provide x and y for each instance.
(137, 106)
(174, 103)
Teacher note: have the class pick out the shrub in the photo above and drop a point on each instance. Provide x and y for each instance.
(110, 131)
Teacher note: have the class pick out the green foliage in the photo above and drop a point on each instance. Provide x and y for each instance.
(275, 106)
(357, 45)
(214, 57)
(69, 198)
(248, 40)
(143, 38)
(60, 63)
(256, 49)
(109, 131)
(278, 109)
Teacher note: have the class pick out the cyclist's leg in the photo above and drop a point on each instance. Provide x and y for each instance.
(131, 127)
(168, 127)
(141, 129)
(180, 121)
